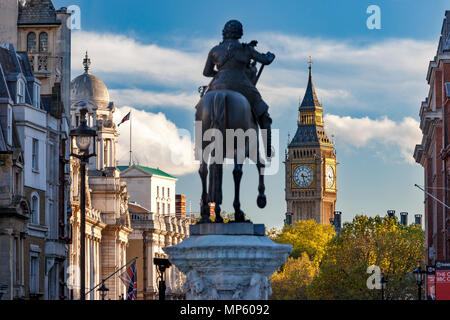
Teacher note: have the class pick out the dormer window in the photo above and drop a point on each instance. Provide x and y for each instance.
(43, 42)
(20, 91)
(31, 42)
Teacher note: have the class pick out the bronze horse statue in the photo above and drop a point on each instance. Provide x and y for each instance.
(224, 110)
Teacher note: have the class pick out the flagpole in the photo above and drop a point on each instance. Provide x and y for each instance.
(130, 139)
(112, 274)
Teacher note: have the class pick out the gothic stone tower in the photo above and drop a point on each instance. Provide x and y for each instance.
(310, 165)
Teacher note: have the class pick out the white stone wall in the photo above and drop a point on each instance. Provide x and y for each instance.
(32, 124)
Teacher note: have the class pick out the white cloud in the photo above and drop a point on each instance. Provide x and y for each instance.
(143, 98)
(351, 73)
(124, 57)
(156, 142)
(361, 132)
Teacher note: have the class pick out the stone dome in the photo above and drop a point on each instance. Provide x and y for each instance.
(88, 87)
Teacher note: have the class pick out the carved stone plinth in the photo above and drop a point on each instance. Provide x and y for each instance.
(228, 262)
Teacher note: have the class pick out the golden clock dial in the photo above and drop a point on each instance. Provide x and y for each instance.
(330, 176)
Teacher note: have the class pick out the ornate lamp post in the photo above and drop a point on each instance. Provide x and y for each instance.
(103, 291)
(383, 282)
(162, 265)
(84, 137)
(418, 274)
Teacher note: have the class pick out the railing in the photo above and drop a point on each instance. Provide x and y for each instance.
(41, 63)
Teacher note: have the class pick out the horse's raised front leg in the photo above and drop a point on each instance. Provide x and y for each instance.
(204, 203)
(262, 200)
(237, 175)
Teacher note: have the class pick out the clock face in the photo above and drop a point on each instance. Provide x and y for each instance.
(330, 176)
(303, 176)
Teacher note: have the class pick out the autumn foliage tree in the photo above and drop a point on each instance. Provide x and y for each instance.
(309, 241)
(367, 241)
(326, 266)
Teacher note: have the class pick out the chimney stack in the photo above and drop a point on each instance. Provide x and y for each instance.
(418, 219)
(404, 218)
(391, 213)
(337, 222)
(180, 205)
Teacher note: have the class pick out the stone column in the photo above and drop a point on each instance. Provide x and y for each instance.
(228, 261)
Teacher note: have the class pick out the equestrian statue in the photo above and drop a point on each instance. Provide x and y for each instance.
(231, 101)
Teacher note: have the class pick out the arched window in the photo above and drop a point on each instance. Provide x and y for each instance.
(31, 42)
(35, 208)
(43, 42)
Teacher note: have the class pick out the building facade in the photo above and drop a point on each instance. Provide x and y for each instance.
(433, 154)
(14, 206)
(310, 164)
(108, 225)
(158, 220)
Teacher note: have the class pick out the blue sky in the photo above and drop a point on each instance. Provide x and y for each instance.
(150, 54)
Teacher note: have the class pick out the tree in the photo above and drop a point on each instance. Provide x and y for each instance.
(367, 241)
(306, 237)
(292, 281)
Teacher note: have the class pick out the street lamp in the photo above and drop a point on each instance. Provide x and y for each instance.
(84, 138)
(383, 282)
(103, 290)
(418, 274)
(162, 265)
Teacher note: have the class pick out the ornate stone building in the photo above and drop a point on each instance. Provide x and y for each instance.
(310, 165)
(156, 223)
(14, 206)
(108, 221)
(40, 76)
(434, 151)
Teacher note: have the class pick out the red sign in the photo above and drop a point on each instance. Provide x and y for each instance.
(442, 285)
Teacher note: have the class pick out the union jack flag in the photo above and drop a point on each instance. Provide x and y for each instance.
(129, 279)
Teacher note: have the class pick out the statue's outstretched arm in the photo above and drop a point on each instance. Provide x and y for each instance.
(209, 67)
(265, 59)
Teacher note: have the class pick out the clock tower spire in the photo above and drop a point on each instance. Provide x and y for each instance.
(310, 164)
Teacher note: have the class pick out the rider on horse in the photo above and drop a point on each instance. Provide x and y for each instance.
(235, 70)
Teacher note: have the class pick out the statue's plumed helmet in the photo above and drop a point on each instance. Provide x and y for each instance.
(233, 30)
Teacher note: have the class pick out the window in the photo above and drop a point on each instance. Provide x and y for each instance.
(163, 209)
(9, 134)
(34, 274)
(37, 96)
(35, 155)
(15, 262)
(158, 207)
(35, 209)
(31, 42)
(168, 192)
(43, 42)
(157, 192)
(17, 184)
(163, 192)
(20, 92)
(168, 208)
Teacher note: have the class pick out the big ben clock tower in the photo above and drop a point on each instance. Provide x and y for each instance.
(310, 165)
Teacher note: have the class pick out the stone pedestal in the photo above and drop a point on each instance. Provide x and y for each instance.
(228, 261)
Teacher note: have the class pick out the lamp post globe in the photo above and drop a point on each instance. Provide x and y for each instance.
(418, 275)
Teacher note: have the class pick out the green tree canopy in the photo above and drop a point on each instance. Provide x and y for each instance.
(306, 237)
(367, 241)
